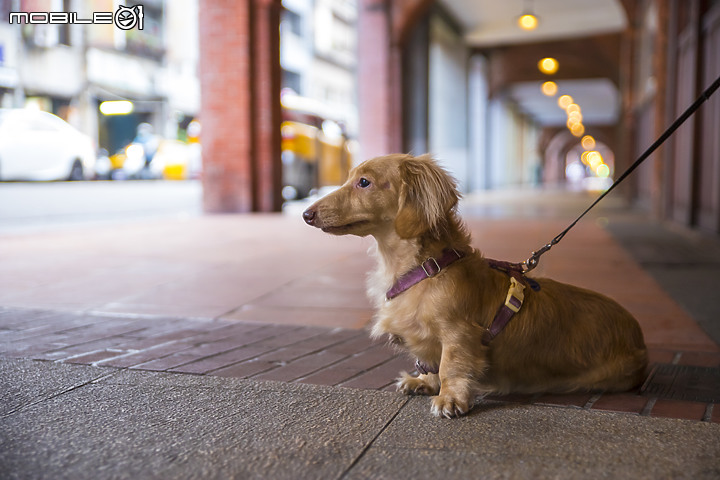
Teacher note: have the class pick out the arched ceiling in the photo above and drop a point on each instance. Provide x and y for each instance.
(494, 22)
(491, 24)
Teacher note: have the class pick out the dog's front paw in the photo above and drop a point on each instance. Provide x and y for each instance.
(422, 385)
(448, 406)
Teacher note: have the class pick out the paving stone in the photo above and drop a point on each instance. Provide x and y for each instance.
(26, 382)
(166, 363)
(73, 350)
(301, 367)
(223, 360)
(523, 441)
(700, 359)
(90, 358)
(303, 339)
(621, 402)
(147, 425)
(578, 400)
(668, 408)
(146, 355)
(381, 376)
(288, 353)
(351, 367)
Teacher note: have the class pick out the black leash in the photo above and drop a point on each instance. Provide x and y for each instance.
(532, 262)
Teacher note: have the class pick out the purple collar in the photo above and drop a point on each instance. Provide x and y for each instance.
(428, 269)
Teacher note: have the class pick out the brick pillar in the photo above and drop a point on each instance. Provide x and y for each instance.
(375, 82)
(240, 105)
(267, 110)
(383, 28)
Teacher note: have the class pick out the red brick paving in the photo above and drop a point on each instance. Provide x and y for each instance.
(289, 353)
(579, 400)
(275, 299)
(621, 402)
(668, 408)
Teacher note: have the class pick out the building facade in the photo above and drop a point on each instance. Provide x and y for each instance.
(71, 69)
(318, 56)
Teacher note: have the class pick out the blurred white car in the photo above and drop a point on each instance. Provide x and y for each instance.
(37, 145)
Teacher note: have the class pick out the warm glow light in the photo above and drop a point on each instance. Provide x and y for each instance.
(594, 159)
(116, 107)
(602, 170)
(564, 101)
(548, 65)
(577, 129)
(549, 88)
(572, 108)
(575, 117)
(588, 142)
(584, 157)
(528, 21)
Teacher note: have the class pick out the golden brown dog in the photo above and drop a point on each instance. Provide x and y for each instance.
(563, 338)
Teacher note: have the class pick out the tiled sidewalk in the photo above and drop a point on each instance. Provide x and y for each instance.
(267, 297)
(299, 354)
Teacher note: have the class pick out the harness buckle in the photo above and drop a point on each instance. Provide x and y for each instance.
(515, 296)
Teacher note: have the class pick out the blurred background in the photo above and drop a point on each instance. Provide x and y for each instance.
(239, 106)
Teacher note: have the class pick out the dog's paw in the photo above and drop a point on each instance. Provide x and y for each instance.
(422, 385)
(448, 406)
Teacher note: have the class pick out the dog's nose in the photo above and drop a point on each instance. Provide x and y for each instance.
(309, 216)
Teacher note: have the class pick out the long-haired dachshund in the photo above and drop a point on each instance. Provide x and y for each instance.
(443, 302)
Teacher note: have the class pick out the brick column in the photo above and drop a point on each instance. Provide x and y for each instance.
(377, 85)
(240, 105)
(383, 28)
(266, 107)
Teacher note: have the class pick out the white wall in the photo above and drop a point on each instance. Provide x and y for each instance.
(478, 125)
(448, 100)
(512, 146)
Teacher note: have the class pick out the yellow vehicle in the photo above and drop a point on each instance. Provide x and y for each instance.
(315, 152)
(173, 160)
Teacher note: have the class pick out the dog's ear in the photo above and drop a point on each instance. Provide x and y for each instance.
(427, 196)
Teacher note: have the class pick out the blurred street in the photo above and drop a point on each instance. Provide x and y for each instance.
(36, 207)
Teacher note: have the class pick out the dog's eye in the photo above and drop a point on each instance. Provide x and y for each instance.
(363, 183)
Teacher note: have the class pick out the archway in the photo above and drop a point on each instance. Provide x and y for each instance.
(589, 165)
(581, 163)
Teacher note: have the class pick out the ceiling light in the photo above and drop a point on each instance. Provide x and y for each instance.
(572, 108)
(548, 65)
(594, 159)
(588, 142)
(577, 129)
(576, 117)
(549, 88)
(564, 101)
(528, 21)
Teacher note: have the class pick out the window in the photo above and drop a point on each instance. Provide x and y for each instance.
(292, 22)
(292, 81)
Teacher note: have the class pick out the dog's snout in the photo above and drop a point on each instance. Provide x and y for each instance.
(309, 216)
